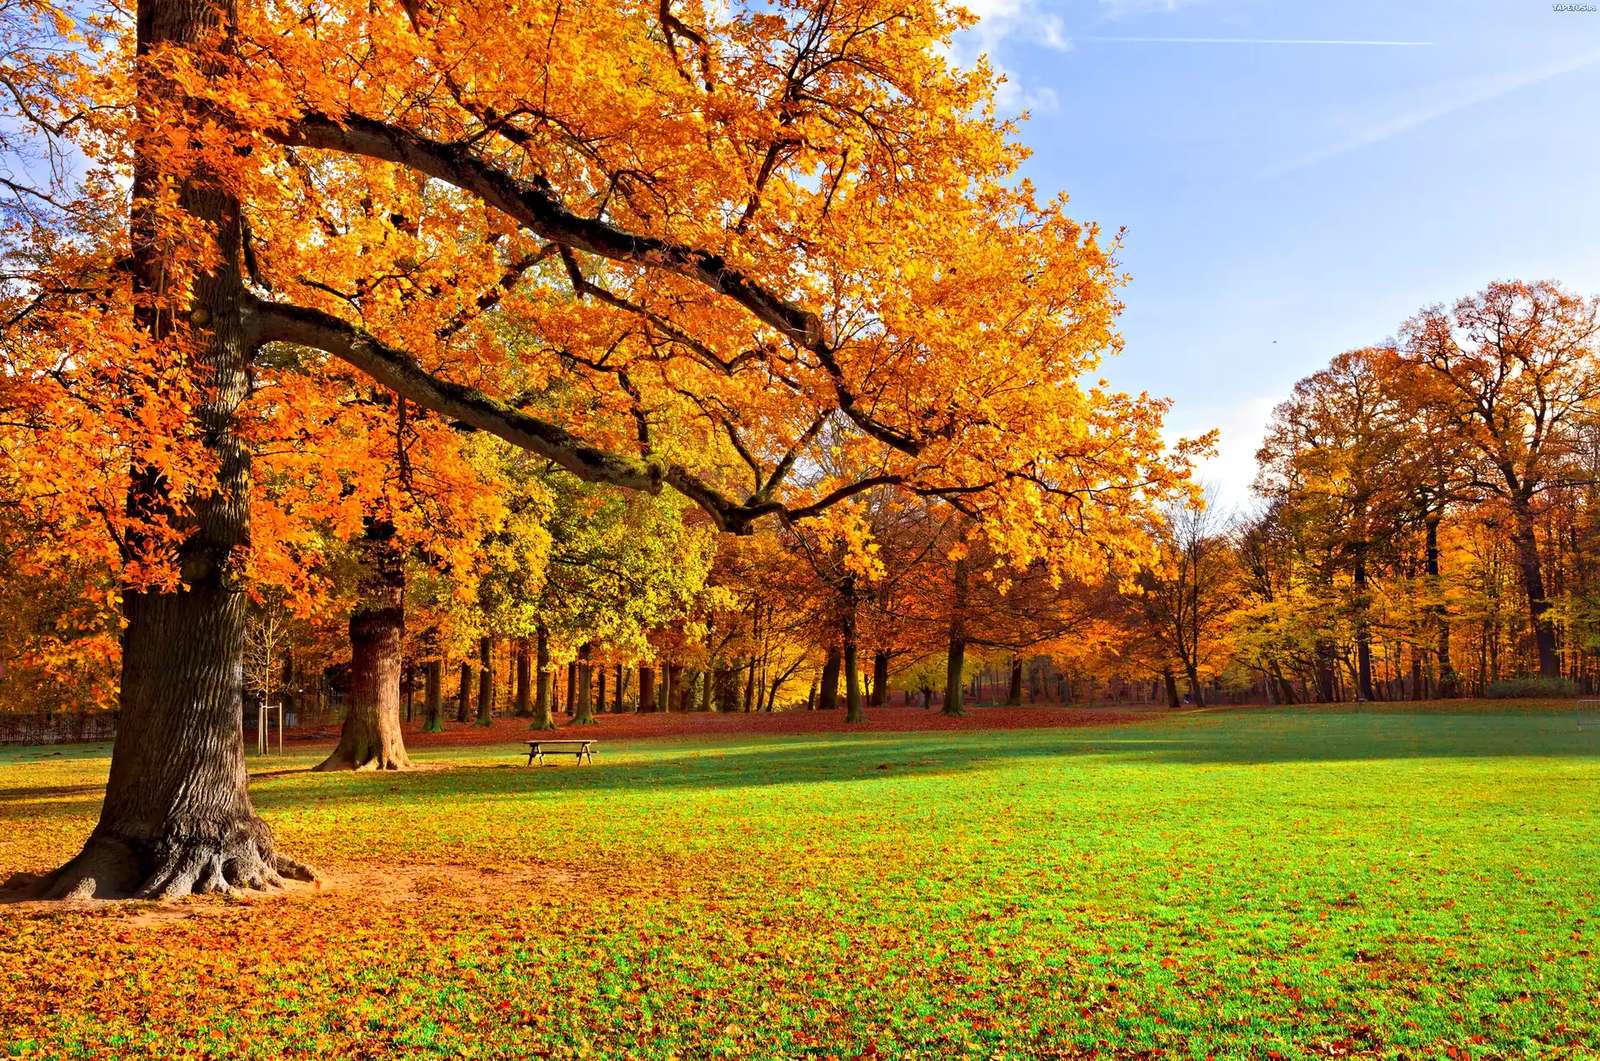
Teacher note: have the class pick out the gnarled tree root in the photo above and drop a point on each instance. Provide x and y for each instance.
(202, 863)
(366, 755)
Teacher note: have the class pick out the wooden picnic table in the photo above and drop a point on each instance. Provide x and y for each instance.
(579, 746)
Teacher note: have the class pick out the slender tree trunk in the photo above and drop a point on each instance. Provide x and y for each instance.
(830, 680)
(524, 679)
(371, 738)
(854, 710)
(750, 687)
(177, 816)
(956, 654)
(1364, 689)
(542, 715)
(485, 681)
(622, 683)
(1285, 690)
(433, 696)
(600, 688)
(1173, 700)
(1324, 672)
(1449, 685)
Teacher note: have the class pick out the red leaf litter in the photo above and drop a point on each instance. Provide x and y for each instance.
(633, 726)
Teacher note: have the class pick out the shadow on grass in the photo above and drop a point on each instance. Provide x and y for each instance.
(1198, 738)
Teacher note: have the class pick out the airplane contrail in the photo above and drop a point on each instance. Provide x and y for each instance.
(1258, 40)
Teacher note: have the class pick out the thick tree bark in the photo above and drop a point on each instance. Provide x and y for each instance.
(464, 693)
(433, 696)
(543, 718)
(585, 712)
(622, 687)
(371, 738)
(880, 677)
(647, 687)
(177, 816)
(1014, 687)
(1544, 631)
(485, 681)
(830, 680)
(854, 709)
(1171, 683)
(524, 680)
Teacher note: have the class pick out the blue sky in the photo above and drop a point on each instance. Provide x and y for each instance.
(1286, 201)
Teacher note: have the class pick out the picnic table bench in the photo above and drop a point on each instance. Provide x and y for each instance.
(538, 749)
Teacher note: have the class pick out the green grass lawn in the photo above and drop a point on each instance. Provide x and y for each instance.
(1229, 884)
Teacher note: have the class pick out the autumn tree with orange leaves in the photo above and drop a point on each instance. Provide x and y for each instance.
(662, 246)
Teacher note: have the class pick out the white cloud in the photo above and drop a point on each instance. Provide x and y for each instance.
(1241, 427)
(1003, 21)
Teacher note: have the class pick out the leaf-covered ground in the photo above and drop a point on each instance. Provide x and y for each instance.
(1228, 884)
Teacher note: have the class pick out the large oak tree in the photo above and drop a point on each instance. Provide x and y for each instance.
(731, 232)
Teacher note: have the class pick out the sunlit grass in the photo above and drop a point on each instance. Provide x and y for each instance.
(1233, 883)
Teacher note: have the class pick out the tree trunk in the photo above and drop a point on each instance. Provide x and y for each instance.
(1449, 686)
(464, 693)
(1544, 631)
(956, 654)
(880, 677)
(485, 681)
(1014, 687)
(542, 717)
(177, 816)
(622, 684)
(830, 680)
(572, 687)
(433, 696)
(1364, 690)
(647, 688)
(1171, 683)
(1322, 668)
(854, 711)
(585, 712)
(371, 738)
(600, 688)
(524, 680)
